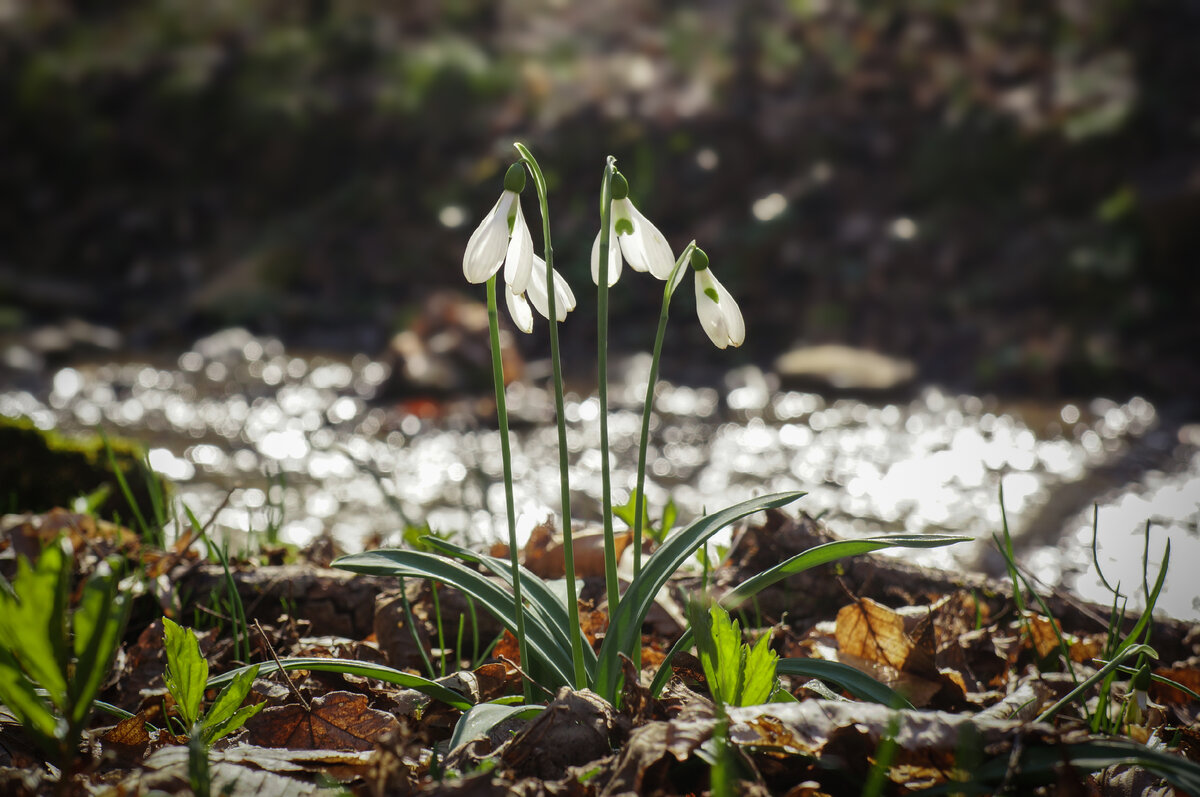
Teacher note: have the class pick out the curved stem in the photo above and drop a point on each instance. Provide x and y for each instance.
(639, 503)
(506, 457)
(610, 549)
(539, 182)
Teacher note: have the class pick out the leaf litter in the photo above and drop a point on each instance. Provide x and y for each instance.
(976, 670)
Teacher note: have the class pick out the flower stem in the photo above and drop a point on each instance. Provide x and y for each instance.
(639, 504)
(610, 548)
(506, 457)
(539, 182)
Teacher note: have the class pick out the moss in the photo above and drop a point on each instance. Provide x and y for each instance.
(41, 470)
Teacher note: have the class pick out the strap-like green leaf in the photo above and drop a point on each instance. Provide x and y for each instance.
(548, 645)
(625, 626)
(819, 555)
(543, 601)
(854, 681)
(379, 672)
(479, 720)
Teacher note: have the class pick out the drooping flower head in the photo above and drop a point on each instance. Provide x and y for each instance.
(535, 293)
(502, 238)
(631, 234)
(715, 307)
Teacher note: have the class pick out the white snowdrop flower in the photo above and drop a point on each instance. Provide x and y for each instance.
(633, 236)
(518, 308)
(718, 312)
(502, 238)
(564, 299)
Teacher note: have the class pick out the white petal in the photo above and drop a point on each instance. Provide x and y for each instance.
(722, 320)
(487, 245)
(614, 259)
(518, 308)
(646, 248)
(518, 262)
(564, 299)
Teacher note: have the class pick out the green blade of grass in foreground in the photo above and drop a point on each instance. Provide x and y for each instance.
(543, 601)
(820, 555)
(625, 625)
(479, 720)
(544, 644)
(856, 682)
(379, 672)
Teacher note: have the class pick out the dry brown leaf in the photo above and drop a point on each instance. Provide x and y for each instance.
(128, 738)
(1166, 695)
(872, 631)
(335, 721)
(1042, 634)
(545, 557)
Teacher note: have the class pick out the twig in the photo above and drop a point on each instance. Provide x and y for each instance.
(287, 678)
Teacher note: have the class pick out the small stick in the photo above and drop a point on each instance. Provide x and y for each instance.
(287, 678)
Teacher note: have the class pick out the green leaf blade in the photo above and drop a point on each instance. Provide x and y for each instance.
(187, 671)
(33, 621)
(760, 669)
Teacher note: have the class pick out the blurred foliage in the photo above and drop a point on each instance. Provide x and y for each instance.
(42, 470)
(1005, 191)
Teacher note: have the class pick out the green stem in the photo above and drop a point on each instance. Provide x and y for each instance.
(539, 182)
(639, 503)
(610, 548)
(639, 489)
(506, 457)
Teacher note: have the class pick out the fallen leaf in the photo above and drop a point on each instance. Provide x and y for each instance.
(336, 721)
(545, 554)
(881, 635)
(128, 738)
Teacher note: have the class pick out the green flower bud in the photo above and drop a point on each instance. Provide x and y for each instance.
(619, 186)
(699, 259)
(514, 178)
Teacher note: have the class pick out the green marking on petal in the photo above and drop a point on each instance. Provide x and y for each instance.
(712, 294)
(624, 227)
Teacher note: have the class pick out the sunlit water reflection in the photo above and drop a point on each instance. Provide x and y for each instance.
(263, 438)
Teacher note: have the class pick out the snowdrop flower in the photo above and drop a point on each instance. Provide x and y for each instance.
(631, 235)
(535, 292)
(502, 238)
(718, 312)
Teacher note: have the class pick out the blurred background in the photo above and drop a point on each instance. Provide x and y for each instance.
(1006, 193)
(233, 231)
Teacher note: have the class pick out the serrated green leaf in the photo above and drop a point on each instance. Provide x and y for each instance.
(759, 673)
(33, 621)
(187, 671)
(212, 733)
(230, 698)
(727, 645)
(819, 555)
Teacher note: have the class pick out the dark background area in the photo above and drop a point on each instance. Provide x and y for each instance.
(1005, 191)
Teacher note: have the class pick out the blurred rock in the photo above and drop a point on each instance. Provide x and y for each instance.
(843, 368)
(445, 350)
